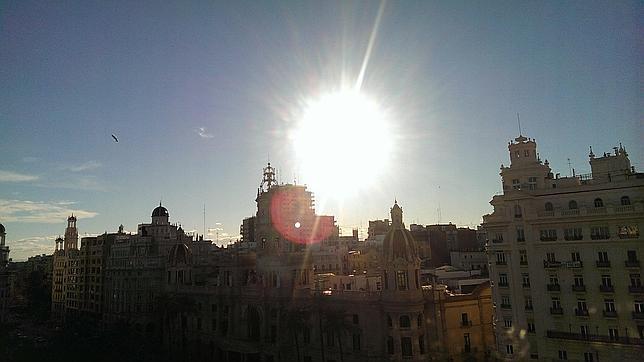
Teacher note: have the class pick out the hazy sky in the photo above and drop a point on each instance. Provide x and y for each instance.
(201, 94)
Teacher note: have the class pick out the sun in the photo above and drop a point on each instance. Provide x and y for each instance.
(342, 143)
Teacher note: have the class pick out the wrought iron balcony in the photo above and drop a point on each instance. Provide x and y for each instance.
(581, 312)
(603, 263)
(632, 263)
(548, 238)
(636, 289)
(578, 288)
(501, 262)
(553, 287)
(551, 264)
(638, 315)
(599, 236)
(506, 306)
(594, 338)
(558, 311)
(610, 313)
(606, 288)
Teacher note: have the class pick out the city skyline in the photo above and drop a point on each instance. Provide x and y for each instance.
(201, 96)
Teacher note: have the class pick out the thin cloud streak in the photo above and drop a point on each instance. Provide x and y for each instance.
(39, 211)
(89, 165)
(10, 176)
(203, 133)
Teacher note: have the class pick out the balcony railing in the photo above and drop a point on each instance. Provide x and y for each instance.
(570, 212)
(520, 240)
(506, 306)
(636, 289)
(553, 287)
(497, 241)
(466, 323)
(501, 262)
(523, 262)
(599, 236)
(594, 338)
(548, 238)
(638, 315)
(606, 288)
(551, 264)
(632, 263)
(578, 288)
(581, 312)
(558, 311)
(503, 285)
(525, 285)
(610, 313)
(603, 263)
(573, 237)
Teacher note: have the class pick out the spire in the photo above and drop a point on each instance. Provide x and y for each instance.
(396, 215)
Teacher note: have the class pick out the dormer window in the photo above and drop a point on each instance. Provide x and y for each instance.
(572, 205)
(599, 202)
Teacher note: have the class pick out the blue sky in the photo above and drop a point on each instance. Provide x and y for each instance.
(201, 95)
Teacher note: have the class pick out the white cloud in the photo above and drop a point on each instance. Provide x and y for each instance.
(203, 133)
(78, 182)
(39, 211)
(89, 165)
(21, 249)
(10, 176)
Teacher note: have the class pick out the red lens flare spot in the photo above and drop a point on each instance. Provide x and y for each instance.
(296, 221)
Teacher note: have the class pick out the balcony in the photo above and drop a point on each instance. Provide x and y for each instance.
(573, 237)
(501, 262)
(636, 289)
(606, 288)
(578, 288)
(600, 236)
(503, 285)
(572, 212)
(525, 285)
(506, 306)
(553, 287)
(632, 263)
(551, 264)
(610, 313)
(581, 312)
(594, 338)
(465, 324)
(603, 263)
(556, 311)
(548, 238)
(497, 241)
(523, 262)
(638, 315)
(520, 240)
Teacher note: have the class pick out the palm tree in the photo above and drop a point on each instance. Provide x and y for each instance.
(295, 320)
(336, 324)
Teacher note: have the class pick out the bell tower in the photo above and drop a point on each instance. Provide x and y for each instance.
(71, 234)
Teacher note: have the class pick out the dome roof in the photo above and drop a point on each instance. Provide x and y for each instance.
(399, 243)
(179, 254)
(160, 211)
(2, 230)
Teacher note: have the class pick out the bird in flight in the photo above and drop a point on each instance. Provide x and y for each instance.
(115, 139)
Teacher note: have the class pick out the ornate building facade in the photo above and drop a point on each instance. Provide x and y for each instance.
(564, 257)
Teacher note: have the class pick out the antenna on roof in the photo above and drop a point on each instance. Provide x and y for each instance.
(204, 218)
(569, 167)
(519, 122)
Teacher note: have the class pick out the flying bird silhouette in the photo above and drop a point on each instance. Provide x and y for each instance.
(115, 139)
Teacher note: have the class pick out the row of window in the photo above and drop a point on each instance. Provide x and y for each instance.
(598, 202)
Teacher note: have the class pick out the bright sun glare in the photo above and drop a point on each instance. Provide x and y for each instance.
(342, 143)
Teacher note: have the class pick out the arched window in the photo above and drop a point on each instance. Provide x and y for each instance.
(572, 205)
(625, 200)
(548, 206)
(420, 320)
(405, 322)
(517, 211)
(599, 202)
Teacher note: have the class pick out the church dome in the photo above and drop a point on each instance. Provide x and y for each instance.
(160, 211)
(179, 255)
(398, 242)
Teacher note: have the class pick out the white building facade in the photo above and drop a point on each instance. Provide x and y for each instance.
(564, 258)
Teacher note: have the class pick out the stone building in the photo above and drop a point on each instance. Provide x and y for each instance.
(5, 286)
(268, 303)
(564, 257)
